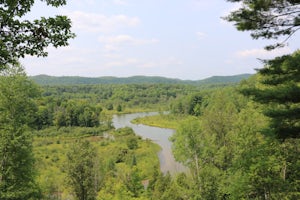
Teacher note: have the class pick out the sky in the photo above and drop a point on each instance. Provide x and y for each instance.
(185, 39)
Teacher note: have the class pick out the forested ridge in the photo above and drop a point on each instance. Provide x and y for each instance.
(74, 80)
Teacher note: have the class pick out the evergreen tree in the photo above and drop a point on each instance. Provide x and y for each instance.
(278, 89)
(267, 19)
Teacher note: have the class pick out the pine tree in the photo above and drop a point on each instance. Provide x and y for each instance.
(278, 89)
(267, 19)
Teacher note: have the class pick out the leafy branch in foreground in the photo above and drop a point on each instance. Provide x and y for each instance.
(20, 37)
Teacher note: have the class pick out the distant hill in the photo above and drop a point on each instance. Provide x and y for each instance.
(224, 79)
(75, 80)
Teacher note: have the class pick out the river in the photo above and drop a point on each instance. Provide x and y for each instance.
(157, 135)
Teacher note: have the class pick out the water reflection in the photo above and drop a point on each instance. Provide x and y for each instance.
(157, 135)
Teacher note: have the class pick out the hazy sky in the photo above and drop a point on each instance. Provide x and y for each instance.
(184, 39)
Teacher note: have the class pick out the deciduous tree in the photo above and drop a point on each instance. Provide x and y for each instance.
(17, 108)
(81, 170)
(20, 37)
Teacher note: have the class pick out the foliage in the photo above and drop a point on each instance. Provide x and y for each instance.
(23, 37)
(205, 145)
(81, 171)
(230, 157)
(191, 104)
(220, 136)
(60, 102)
(278, 89)
(187, 144)
(267, 19)
(220, 81)
(76, 113)
(17, 107)
(170, 120)
(140, 80)
(117, 165)
(260, 164)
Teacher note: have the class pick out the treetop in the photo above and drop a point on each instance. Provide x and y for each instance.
(267, 19)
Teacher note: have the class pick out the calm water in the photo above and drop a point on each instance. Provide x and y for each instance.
(157, 135)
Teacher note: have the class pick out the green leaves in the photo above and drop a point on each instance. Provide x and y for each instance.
(228, 155)
(17, 109)
(20, 38)
(56, 3)
(16, 8)
(76, 113)
(17, 94)
(80, 168)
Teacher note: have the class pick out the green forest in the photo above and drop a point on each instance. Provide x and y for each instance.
(237, 136)
(234, 141)
(77, 80)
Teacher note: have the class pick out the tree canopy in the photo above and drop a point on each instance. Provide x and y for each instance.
(278, 90)
(268, 19)
(20, 37)
(17, 108)
(81, 174)
(278, 84)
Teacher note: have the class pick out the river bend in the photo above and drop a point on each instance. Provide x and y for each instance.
(157, 135)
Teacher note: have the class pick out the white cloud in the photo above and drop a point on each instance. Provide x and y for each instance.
(200, 35)
(62, 61)
(119, 39)
(71, 55)
(228, 61)
(144, 64)
(204, 4)
(113, 43)
(111, 55)
(93, 22)
(122, 62)
(262, 53)
(162, 63)
(84, 2)
(120, 2)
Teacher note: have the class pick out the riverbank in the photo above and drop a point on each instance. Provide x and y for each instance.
(170, 121)
(159, 136)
